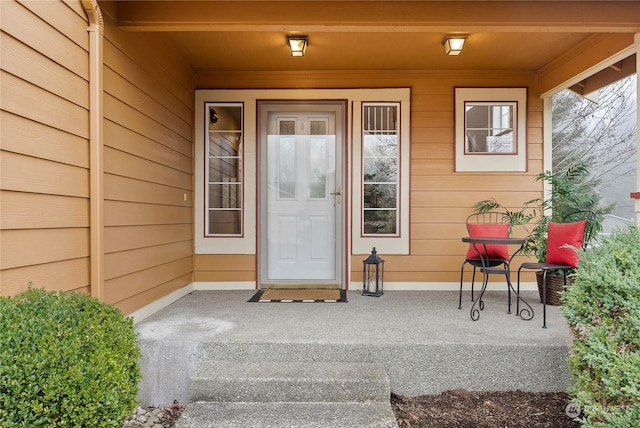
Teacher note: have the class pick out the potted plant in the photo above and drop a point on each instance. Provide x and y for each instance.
(570, 192)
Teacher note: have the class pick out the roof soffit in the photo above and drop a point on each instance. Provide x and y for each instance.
(515, 35)
(410, 16)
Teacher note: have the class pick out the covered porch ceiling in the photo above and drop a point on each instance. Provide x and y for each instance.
(558, 40)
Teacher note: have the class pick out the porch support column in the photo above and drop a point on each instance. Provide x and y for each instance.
(547, 145)
(636, 195)
(96, 193)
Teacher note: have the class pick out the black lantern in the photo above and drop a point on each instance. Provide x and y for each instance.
(372, 275)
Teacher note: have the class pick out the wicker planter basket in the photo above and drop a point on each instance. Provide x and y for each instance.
(555, 285)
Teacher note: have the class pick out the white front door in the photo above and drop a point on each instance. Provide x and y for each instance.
(302, 195)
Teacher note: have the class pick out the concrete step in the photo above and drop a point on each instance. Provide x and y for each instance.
(269, 381)
(284, 394)
(283, 415)
(413, 368)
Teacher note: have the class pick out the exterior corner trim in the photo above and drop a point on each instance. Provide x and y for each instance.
(96, 147)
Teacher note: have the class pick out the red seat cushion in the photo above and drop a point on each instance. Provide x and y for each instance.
(496, 251)
(564, 239)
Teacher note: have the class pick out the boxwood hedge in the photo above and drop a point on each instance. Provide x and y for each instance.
(66, 360)
(603, 310)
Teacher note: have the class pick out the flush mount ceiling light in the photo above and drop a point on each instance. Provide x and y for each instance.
(297, 45)
(453, 43)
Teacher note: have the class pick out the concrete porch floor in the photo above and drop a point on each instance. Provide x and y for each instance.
(421, 338)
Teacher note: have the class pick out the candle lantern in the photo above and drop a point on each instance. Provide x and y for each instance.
(373, 275)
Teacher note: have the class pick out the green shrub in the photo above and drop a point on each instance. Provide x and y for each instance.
(603, 310)
(66, 360)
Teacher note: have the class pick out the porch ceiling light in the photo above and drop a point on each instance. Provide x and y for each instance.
(297, 45)
(453, 43)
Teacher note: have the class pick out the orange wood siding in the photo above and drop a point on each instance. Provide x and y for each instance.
(224, 268)
(148, 157)
(440, 198)
(148, 162)
(44, 227)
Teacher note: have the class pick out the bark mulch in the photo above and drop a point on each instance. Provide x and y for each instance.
(469, 409)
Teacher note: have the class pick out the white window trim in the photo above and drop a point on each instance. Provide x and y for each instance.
(207, 180)
(246, 244)
(384, 244)
(489, 161)
(397, 183)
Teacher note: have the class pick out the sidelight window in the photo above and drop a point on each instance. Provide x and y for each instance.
(223, 172)
(380, 165)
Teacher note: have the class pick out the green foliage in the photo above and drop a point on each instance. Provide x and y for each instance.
(571, 191)
(66, 360)
(603, 310)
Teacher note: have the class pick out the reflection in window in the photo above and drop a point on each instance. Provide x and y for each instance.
(286, 159)
(380, 168)
(318, 168)
(224, 169)
(490, 127)
(318, 159)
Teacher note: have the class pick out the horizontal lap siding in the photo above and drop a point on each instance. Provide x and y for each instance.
(148, 163)
(44, 153)
(440, 198)
(224, 268)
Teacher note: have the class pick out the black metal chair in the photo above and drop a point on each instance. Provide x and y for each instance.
(490, 223)
(589, 226)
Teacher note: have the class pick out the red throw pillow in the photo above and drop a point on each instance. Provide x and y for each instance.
(564, 239)
(495, 251)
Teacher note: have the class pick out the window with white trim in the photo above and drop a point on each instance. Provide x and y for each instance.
(380, 191)
(491, 129)
(223, 170)
(380, 165)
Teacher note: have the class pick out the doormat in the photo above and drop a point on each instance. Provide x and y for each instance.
(292, 295)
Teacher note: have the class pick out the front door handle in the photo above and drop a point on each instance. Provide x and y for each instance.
(338, 195)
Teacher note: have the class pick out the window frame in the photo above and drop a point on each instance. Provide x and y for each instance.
(491, 161)
(224, 244)
(207, 168)
(384, 244)
(367, 131)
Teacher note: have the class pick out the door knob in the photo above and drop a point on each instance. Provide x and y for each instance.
(338, 195)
